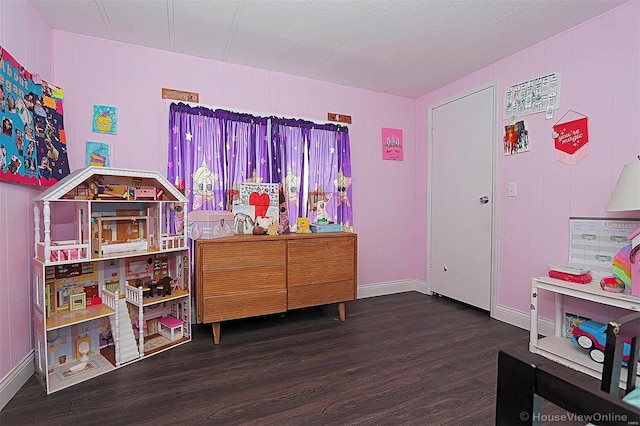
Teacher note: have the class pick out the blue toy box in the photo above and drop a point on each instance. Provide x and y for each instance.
(329, 227)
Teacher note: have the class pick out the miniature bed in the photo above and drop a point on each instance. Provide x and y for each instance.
(525, 379)
(139, 244)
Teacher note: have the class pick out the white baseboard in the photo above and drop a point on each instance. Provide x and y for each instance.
(522, 319)
(392, 287)
(13, 381)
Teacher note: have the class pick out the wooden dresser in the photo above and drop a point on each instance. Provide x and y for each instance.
(250, 275)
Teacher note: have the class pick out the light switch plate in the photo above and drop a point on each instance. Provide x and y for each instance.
(512, 189)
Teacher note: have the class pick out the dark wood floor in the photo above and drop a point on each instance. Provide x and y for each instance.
(399, 359)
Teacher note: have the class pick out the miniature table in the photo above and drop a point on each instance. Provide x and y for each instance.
(170, 327)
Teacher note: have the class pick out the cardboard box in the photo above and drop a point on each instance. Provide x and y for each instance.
(209, 224)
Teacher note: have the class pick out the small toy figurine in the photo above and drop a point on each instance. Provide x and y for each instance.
(303, 225)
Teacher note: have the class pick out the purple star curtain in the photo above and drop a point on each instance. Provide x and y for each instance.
(288, 144)
(209, 151)
(246, 146)
(330, 174)
(343, 180)
(313, 163)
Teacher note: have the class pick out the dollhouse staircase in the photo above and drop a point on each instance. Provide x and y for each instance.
(126, 349)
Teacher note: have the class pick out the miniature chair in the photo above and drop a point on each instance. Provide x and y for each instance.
(175, 284)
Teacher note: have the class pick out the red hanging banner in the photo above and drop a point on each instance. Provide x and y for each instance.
(571, 140)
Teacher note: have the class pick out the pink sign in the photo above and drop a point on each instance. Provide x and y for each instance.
(391, 144)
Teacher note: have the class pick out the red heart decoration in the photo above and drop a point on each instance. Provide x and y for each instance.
(261, 201)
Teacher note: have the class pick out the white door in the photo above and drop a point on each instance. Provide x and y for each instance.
(460, 199)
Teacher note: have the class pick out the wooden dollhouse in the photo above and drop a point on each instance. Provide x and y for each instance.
(111, 258)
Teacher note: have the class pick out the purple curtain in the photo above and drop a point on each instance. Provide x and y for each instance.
(343, 180)
(313, 163)
(245, 149)
(288, 144)
(211, 151)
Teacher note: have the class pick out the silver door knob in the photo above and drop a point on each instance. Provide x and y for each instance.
(484, 200)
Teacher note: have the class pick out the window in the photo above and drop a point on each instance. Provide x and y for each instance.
(212, 151)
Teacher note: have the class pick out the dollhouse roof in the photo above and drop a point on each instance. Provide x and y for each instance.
(80, 176)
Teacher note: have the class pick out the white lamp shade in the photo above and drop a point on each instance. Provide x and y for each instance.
(626, 194)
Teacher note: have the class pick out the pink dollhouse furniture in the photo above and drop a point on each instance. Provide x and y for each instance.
(170, 327)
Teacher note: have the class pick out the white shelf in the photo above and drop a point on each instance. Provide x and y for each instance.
(560, 349)
(590, 291)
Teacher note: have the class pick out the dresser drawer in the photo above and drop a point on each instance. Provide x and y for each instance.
(320, 294)
(234, 306)
(321, 249)
(230, 255)
(243, 280)
(320, 271)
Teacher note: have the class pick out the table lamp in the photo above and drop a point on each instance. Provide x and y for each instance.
(626, 197)
(626, 194)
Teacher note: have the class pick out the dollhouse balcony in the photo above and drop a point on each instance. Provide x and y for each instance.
(62, 251)
(134, 294)
(172, 241)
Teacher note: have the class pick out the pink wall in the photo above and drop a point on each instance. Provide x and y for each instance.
(27, 38)
(599, 61)
(93, 71)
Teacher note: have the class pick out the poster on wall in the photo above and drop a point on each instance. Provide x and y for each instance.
(392, 144)
(516, 138)
(98, 154)
(105, 119)
(571, 138)
(33, 146)
(541, 94)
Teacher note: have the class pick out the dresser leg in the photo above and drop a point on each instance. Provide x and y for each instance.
(341, 311)
(216, 332)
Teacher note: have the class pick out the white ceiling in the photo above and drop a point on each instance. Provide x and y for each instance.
(402, 47)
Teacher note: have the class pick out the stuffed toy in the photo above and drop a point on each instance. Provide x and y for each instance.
(265, 225)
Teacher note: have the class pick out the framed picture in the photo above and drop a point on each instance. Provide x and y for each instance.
(78, 301)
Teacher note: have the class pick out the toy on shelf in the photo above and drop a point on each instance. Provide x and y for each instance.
(265, 225)
(635, 262)
(578, 279)
(571, 273)
(302, 225)
(621, 267)
(612, 284)
(318, 202)
(325, 226)
(592, 335)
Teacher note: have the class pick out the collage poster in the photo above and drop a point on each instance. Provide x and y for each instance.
(33, 149)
